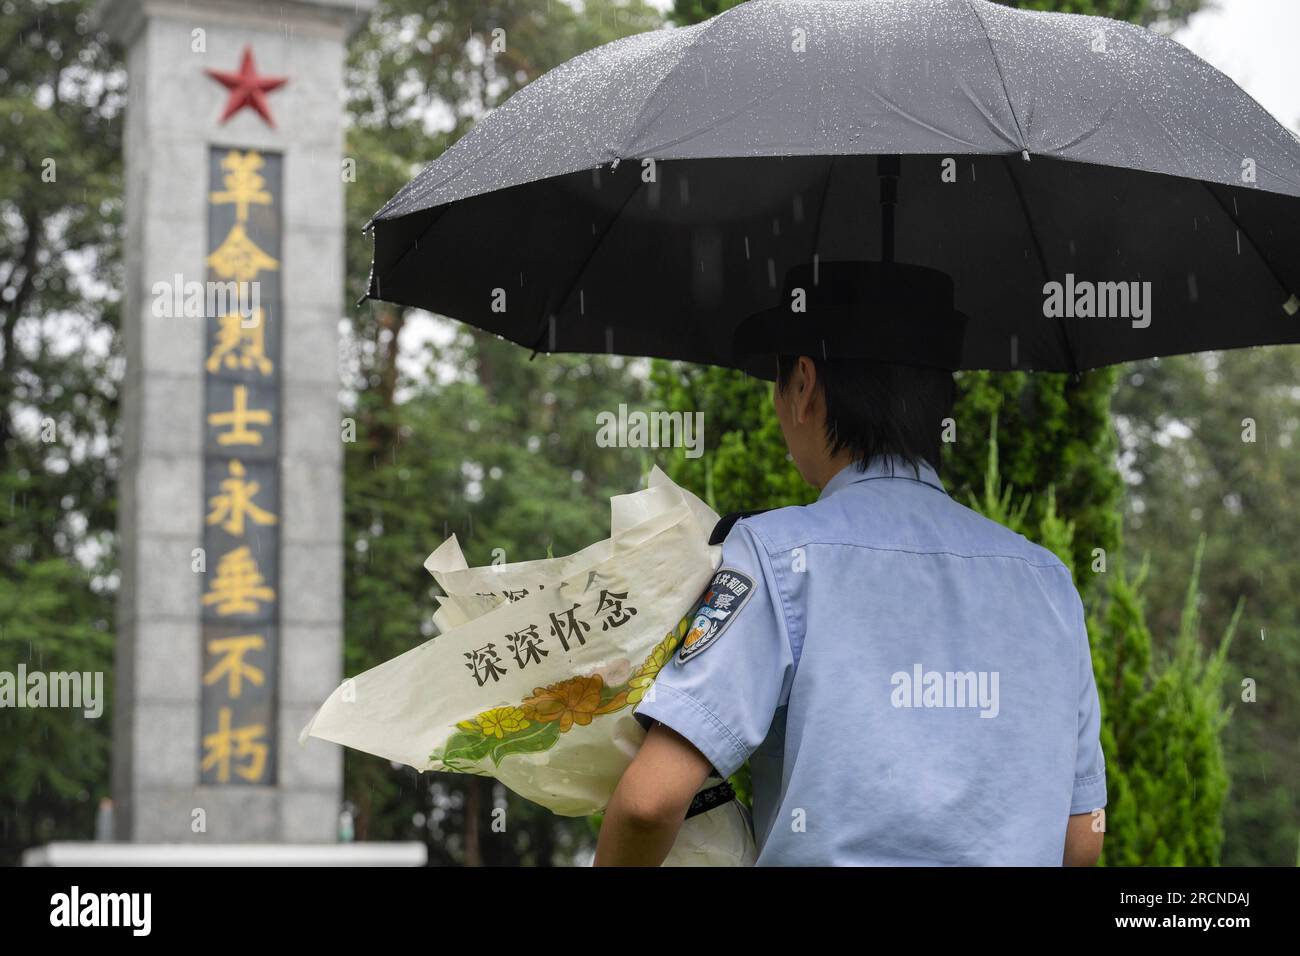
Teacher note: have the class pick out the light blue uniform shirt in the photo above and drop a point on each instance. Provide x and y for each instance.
(910, 681)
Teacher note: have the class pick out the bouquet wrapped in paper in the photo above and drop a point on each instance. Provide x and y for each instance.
(538, 666)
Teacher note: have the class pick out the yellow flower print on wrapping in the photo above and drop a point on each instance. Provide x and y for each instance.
(645, 674)
(554, 710)
(574, 701)
(496, 722)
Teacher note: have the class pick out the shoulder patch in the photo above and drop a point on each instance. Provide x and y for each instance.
(727, 594)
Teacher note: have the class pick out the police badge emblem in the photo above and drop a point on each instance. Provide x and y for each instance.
(723, 600)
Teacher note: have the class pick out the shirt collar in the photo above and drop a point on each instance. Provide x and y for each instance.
(884, 466)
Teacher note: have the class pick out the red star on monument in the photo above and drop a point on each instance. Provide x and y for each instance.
(247, 88)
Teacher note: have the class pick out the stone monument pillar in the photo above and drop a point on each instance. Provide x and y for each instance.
(230, 612)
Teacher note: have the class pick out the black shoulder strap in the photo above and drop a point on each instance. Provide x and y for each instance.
(723, 527)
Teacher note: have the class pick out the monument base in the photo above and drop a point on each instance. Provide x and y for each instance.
(226, 854)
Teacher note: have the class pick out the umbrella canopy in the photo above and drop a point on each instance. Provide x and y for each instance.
(1096, 192)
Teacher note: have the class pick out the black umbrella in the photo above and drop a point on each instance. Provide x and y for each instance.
(1096, 192)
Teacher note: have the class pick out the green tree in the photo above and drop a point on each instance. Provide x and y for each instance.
(1162, 718)
(60, 219)
(1209, 445)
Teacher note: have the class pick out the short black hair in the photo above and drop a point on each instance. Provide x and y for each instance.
(876, 409)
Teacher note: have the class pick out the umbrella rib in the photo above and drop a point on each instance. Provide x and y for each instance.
(1286, 287)
(397, 263)
(821, 217)
(821, 206)
(568, 291)
(997, 65)
(1042, 257)
(455, 149)
(654, 90)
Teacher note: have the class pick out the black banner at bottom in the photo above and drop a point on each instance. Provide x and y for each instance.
(386, 906)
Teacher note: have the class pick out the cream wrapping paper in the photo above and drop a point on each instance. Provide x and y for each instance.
(539, 665)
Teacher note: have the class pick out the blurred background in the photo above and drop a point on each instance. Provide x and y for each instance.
(1178, 518)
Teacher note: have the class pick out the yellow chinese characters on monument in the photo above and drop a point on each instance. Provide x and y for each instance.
(238, 258)
(232, 663)
(238, 586)
(242, 183)
(235, 503)
(241, 749)
(239, 601)
(234, 425)
(240, 345)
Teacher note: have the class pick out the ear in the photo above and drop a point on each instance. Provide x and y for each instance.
(804, 382)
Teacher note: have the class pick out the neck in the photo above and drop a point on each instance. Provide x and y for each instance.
(828, 468)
